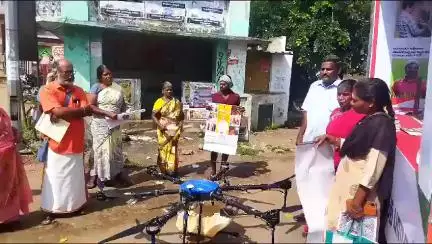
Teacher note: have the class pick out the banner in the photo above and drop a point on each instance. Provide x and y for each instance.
(174, 11)
(314, 170)
(123, 12)
(400, 49)
(399, 54)
(197, 94)
(208, 13)
(222, 129)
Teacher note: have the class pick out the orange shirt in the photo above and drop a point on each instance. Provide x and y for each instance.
(53, 96)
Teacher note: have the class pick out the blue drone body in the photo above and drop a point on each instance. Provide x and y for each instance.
(199, 190)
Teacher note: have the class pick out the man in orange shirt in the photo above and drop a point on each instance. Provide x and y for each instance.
(63, 186)
(411, 87)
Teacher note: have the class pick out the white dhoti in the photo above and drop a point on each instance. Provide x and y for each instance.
(63, 185)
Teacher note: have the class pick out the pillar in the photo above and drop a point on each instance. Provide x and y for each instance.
(220, 60)
(236, 68)
(83, 47)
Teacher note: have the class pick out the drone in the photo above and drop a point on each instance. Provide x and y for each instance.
(198, 191)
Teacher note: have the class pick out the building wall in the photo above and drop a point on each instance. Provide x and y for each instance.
(84, 49)
(279, 91)
(220, 60)
(237, 51)
(4, 94)
(237, 22)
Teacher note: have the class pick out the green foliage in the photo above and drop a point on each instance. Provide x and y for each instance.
(246, 149)
(315, 29)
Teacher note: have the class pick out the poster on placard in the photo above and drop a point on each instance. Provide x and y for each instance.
(222, 129)
(123, 12)
(174, 11)
(206, 13)
(197, 94)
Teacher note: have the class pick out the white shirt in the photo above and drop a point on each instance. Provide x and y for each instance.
(319, 103)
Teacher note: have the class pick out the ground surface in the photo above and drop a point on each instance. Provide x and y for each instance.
(103, 219)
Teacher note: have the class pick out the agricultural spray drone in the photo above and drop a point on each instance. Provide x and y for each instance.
(198, 191)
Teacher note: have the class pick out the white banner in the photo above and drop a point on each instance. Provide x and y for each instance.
(314, 170)
(210, 13)
(404, 224)
(122, 9)
(166, 10)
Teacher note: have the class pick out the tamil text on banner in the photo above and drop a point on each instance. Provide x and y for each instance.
(222, 129)
(314, 170)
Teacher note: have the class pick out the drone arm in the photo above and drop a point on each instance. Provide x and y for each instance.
(154, 193)
(155, 173)
(231, 202)
(155, 224)
(283, 184)
(271, 217)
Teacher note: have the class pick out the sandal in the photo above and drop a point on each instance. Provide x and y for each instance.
(48, 220)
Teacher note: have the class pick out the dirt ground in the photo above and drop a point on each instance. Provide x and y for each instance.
(103, 219)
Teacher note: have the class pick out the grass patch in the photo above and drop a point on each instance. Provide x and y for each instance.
(246, 149)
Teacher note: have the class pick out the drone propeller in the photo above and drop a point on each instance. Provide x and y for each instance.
(138, 229)
(152, 226)
(153, 171)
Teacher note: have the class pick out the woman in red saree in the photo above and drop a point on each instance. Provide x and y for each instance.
(342, 120)
(15, 192)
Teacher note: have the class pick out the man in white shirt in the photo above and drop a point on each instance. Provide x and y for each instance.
(318, 105)
(320, 101)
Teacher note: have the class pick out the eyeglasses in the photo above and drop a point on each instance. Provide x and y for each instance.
(68, 72)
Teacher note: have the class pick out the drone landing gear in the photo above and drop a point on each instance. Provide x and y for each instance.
(271, 217)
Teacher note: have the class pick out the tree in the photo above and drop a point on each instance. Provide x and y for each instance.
(315, 29)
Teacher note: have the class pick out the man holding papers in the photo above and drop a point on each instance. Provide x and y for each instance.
(63, 185)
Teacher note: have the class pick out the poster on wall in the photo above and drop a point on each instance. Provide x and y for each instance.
(57, 52)
(197, 94)
(122, 12)
(206, 13)
(222, 129)
(174, 11)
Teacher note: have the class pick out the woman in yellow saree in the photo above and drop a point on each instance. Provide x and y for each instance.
(168, 116)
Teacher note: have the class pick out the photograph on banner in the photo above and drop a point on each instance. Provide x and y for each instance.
(174, 11)
(409, 83)
(413, 19)
(197, 94)
(222, 128)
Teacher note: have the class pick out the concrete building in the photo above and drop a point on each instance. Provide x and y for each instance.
(4, 96)
(147, 42)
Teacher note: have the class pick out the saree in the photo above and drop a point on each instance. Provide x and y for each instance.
(168, 113)
(15, 191)
(107, 143)
(341, 125)
(368, 156)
